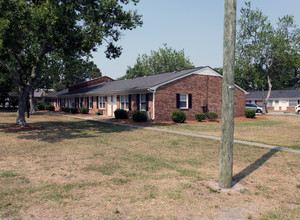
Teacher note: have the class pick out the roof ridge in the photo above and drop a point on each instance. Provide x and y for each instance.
(157, 74)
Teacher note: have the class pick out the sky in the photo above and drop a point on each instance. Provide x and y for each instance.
(193, 25)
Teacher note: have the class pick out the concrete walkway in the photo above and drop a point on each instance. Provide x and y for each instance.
(284, 114)
(250, 143)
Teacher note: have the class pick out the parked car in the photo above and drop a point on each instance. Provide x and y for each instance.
(297, 109)
(258, 108)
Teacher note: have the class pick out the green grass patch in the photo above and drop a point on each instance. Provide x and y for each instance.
(281, 214)
(263, 123)
(8, 174)
(107, 169)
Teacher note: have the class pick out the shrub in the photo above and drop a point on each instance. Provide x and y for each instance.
(121, 114)
(84, 110)
(139, 116)
(66, 109)
(40, 103)
(250, 113)
(200, 116)
(212, 116)
(74, 110)
(40, 107)
(178, 116)
(49, 107)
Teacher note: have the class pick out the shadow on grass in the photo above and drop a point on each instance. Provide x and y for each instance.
(56, 131)
(254, 166)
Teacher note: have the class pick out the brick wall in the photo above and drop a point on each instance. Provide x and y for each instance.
(133, 105)
(204, 90)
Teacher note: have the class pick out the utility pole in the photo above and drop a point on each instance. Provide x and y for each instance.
(226, 148)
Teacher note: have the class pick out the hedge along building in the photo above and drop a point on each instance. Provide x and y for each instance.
(192, 91)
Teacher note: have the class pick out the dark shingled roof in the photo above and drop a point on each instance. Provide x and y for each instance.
(135, 84)
(54, 94)
(275, 94)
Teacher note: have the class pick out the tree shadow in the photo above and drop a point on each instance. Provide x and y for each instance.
(57, 131)
(254, 166)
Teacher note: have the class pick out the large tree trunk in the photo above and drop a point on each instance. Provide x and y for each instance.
(32, 101)
(265, 100)
(22, 107)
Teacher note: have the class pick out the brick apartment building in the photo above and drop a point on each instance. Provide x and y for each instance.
(192, 91)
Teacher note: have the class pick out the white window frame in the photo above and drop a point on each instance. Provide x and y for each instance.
(186, 101)
(124, 102)
(295, 103)
(143, 102)
(270, 103)
(91, 104)
(101, 102)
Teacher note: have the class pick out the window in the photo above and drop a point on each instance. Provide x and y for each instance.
(101, 102)
(80, 100)
(270, 103)
(124, 100)
(293, 103)
(143, 102)
(73, 102)
(183, 101)
(91, 102)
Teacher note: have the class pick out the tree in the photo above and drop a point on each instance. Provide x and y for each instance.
(263, 53)
(164, 60)
(60, 73)
(286, 66)
(31, 29)
(6, 85)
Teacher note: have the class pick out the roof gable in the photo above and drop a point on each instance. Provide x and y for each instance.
(141, 84)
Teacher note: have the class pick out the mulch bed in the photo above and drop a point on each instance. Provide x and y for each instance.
(129, 121)
(126, 121)
(22, 128)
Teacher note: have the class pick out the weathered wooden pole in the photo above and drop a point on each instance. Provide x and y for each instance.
(226, 148)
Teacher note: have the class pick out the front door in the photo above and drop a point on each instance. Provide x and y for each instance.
(276, 105)
(109, 106)
(284, 105)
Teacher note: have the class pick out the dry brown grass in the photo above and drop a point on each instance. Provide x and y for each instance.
(76, 169)
(281, 131)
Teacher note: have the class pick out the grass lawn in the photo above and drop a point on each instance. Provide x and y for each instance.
(283, 131)
(77, 169)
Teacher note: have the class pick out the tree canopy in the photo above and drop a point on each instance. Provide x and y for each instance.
(266, 57)
(165, 59)
(265, 54)
(30, 30)
(59, 74)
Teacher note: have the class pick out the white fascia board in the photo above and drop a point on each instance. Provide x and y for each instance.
(273, 99)
(121, 92)
(206, 71)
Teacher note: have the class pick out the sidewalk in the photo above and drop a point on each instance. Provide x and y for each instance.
(92, 118)
(283, 114)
